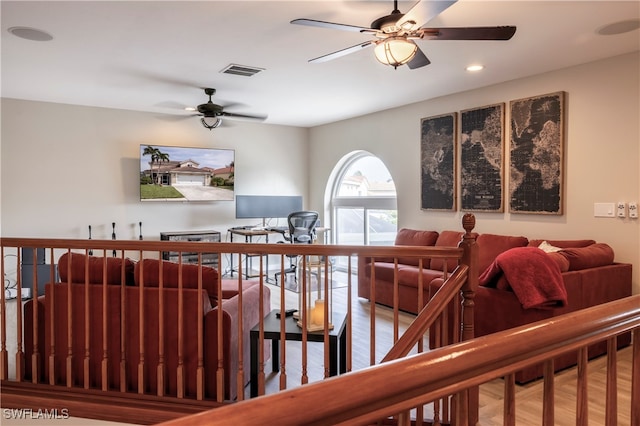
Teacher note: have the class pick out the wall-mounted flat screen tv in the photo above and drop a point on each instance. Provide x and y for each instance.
(173, 173)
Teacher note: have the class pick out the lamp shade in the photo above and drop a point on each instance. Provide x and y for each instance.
(211, 122)
(395, 51)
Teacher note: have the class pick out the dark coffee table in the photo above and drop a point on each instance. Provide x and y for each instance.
(337, 342)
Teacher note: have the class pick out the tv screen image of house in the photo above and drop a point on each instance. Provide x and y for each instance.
(267, 206)
(174, 173)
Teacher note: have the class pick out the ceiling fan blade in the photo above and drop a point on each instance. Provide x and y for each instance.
(422, 12)
(234, 116)
(331, 25)
(419, 60)
(468, 33)
(343, 52)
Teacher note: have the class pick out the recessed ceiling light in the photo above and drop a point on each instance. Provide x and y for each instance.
(475, 68)
(620, 27)
(30, 34)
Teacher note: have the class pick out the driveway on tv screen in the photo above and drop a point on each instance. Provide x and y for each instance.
(204, 193)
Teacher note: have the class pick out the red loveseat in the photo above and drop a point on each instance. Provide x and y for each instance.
(587, 270)
(130, 287)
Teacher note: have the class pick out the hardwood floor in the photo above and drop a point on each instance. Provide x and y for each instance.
(528, 397)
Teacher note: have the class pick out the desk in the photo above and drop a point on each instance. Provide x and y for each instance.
(248, 235)
(337, 342)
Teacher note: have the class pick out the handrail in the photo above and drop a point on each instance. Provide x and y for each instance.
(442, 372)
(243, 248)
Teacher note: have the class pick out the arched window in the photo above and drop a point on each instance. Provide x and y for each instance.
(363, 201)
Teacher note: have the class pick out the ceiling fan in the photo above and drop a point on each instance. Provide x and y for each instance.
(395, 34)
(212, 114)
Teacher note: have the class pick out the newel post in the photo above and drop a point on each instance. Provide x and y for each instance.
(469, 258)
(467, 406)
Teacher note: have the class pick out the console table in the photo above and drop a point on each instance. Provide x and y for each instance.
(337, 343)
(208, 259)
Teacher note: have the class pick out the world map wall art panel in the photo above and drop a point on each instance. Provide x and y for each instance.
(482, 158)
(536, 154)
(438, 162)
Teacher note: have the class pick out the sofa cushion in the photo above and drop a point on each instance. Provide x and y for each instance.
(562, 243)
(595, 255)
(561, 260)
(446, 239)
(151, 274)
(79, 260)
(413, 237)
(491, 245)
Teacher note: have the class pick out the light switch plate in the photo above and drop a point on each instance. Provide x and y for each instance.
(633, 210)
(604, 210)
(621, 209)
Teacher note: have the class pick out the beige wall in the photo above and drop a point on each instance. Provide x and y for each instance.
(66, 167)
(602, 154)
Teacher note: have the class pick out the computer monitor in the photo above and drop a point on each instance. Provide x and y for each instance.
(266, 206)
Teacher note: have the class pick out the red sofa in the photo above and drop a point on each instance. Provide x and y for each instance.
(122, 303)
(586, 269)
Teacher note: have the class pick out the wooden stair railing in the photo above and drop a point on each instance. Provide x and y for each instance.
(100, 403)
(376, 393)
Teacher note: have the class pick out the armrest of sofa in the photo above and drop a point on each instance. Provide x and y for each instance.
(233, 364)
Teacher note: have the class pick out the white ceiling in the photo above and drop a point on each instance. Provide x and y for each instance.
(157, 55)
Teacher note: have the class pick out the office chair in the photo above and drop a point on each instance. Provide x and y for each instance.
(301, 230)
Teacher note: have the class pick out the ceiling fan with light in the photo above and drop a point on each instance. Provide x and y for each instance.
(212, 114)
(395, 34)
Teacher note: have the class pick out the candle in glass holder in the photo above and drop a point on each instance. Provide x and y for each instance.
(317, 313)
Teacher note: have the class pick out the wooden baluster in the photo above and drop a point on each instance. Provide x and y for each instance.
(52, 327)
(443, 405)
(35, 356)
(262, 314)
(141, 328)
(180, 368)
(161, 371)
(69, 359)
(240, 373)
(4, 355)
(104, 370)
(87, 313)
(582, 400)
(437, 338)
(548, 399)
(220, 388)
(611, 408)
(19, 353)
(349, 318)
(420, 299)
(325, 315)
(396, 300)
(635, 378)
(123, 333)
(372, 315)
(509, 415)
(200, 368)
(305, 294)
(303, 317)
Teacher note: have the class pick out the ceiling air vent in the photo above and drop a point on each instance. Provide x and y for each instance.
(243, 70)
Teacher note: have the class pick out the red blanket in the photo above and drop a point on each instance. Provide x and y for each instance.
(532, 275)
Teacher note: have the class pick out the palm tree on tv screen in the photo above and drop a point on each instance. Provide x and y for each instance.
(157, 156)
